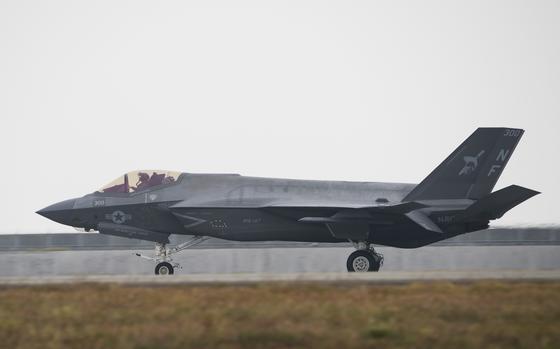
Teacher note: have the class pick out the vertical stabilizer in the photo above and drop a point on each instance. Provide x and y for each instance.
(472, 170)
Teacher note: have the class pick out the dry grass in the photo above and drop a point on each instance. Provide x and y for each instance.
(437, 315)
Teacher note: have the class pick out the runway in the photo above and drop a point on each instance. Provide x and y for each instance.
(279, 261)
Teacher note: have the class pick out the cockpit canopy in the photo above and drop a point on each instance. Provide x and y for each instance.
(139, 180)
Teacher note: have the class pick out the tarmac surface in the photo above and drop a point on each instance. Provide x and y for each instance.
(279, 261)
(315, 278)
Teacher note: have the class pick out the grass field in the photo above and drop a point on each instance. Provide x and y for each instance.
(424, 315)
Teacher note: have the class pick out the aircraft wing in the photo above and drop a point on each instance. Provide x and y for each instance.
(344, 220)
(397, 208)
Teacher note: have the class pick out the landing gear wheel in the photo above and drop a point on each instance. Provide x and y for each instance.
(362, 261)
(378, 260)
(164, 268)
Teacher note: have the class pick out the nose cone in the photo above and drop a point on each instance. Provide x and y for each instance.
(60, 212)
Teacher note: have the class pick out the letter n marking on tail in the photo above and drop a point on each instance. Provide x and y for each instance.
(502, 155)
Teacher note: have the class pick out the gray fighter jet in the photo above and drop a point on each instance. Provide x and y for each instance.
(456, 198)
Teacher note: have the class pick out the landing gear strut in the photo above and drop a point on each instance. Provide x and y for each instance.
(165, 264)
(364, 259)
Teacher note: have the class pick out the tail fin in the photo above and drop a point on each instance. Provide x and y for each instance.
(472, 170)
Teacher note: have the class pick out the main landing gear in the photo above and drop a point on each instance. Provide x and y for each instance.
(165, 264)
(364, 259)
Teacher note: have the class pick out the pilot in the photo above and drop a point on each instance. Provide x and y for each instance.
(143, 181)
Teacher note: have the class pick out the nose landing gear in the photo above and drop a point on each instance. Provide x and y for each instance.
(364, 259)
(164, 268)
(165, 264)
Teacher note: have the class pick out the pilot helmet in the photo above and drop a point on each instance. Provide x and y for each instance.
(143, 176)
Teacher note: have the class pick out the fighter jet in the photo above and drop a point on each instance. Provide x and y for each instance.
(455, 198)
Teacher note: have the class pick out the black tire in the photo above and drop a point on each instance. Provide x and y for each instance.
(164, 268)
(362, 261)
(378, 261)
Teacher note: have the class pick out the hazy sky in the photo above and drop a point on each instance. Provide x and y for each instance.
(341, 90)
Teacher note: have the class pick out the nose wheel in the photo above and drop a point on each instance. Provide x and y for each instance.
(364, 260)
(164, 268)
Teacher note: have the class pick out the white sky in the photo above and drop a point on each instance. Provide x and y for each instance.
(362, 90)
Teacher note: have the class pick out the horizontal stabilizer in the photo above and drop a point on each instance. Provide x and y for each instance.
(424, 221)
(495, 205)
